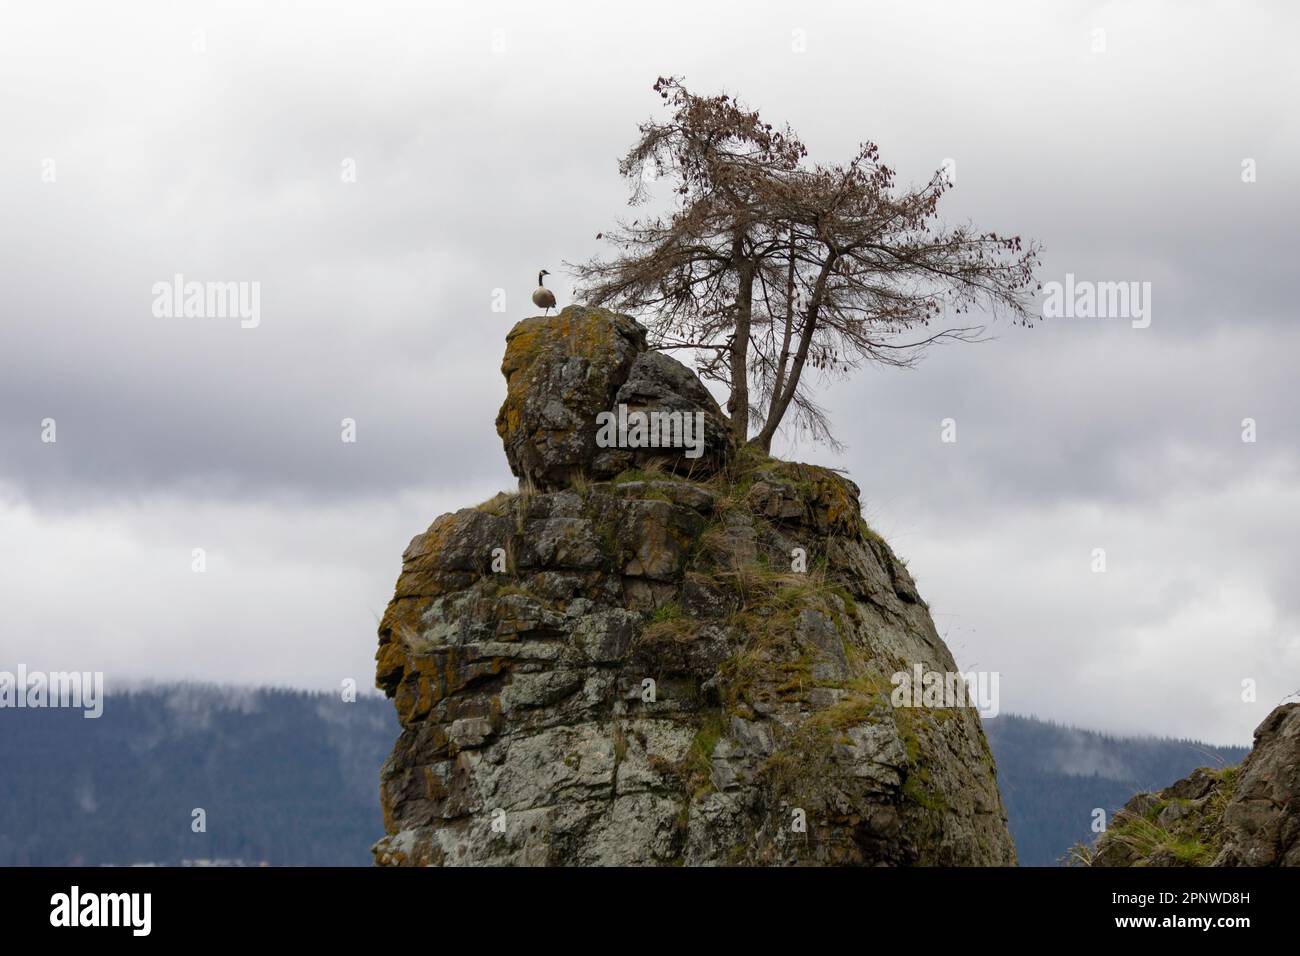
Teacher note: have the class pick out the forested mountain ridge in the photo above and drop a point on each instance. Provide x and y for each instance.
(283, 777)
(1053, 777)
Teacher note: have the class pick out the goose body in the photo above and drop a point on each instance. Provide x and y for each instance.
(543, 297)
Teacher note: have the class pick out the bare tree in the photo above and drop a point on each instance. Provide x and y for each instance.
(767, 266)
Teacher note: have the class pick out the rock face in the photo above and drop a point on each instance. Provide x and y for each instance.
(662, 669)
(1237, 816)
(563, 371)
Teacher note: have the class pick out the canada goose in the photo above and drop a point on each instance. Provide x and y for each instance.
(543, 297)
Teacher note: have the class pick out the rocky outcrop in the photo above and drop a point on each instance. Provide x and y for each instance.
(1237, 816)
(662, 665)
(562, 372)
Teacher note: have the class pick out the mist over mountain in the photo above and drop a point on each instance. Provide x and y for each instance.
(284, 777)
(1052, 777)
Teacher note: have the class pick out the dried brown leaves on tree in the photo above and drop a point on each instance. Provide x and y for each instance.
(768, 266)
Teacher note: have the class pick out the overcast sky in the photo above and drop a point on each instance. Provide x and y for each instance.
(216, 141)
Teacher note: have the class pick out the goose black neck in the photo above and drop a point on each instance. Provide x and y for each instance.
(539, 279)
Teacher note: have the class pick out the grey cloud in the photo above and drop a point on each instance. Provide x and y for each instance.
(475, 170)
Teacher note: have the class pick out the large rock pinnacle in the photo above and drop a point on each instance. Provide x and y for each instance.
(644, 658)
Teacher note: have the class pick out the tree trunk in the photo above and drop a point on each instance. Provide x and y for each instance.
(739, 404)
(781, 403)
(764, 438)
